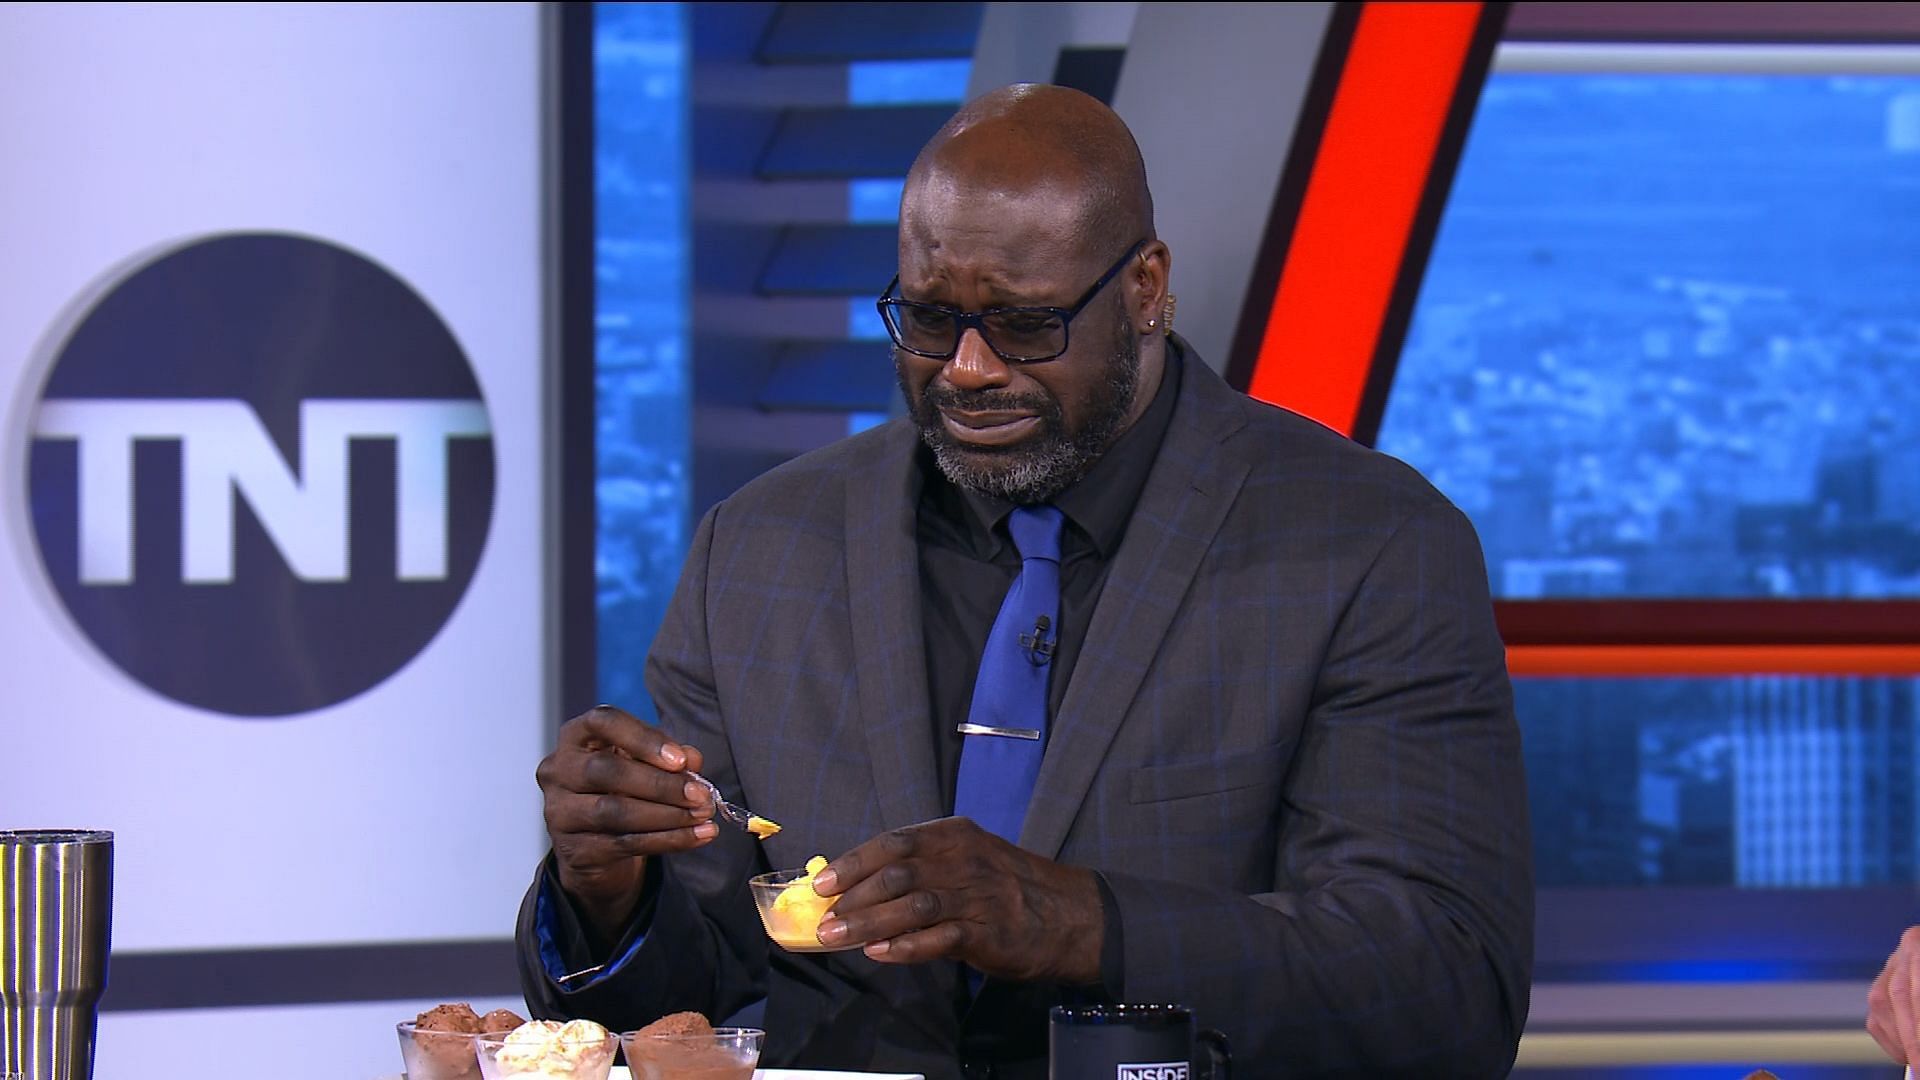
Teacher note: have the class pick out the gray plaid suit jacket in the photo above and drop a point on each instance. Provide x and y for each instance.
(1288, 744)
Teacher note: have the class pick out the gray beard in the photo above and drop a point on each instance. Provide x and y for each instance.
(1052, 460)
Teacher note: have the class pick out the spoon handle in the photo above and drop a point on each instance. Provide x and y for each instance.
(737, 815)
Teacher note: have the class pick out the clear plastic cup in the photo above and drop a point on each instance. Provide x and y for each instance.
(726, 1054)
(795, 925)
(437, 1055)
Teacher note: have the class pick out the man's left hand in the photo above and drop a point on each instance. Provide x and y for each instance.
(949, 889)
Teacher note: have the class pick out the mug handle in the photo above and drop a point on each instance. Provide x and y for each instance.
(1219, 1055)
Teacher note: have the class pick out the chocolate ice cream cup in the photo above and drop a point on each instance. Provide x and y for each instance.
(437, 1055)
(727, 1053)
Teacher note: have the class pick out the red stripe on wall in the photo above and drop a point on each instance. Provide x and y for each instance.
(1708, 661)
(1395, 94)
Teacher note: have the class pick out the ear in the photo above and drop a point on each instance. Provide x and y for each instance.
(1147, 277)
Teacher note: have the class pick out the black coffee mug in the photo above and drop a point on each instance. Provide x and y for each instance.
(1132, 1042)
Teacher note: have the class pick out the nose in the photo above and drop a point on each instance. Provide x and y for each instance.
(975, 366)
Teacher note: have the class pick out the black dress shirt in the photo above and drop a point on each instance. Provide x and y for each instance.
(968, 562)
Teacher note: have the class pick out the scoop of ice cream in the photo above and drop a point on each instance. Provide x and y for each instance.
(500, 1020)
(680, 1023)
(683, 1047)
(526, 1046)
(794, 919)
(458, 1017)
(443, 1044)
(548, 1048)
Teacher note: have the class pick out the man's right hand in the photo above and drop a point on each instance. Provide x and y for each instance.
(616, 791)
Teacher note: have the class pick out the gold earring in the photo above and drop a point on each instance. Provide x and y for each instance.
(1166, 312)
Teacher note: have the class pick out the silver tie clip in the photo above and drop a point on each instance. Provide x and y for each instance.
(1003, 732)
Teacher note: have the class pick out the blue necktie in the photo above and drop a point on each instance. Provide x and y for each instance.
(1006, 726)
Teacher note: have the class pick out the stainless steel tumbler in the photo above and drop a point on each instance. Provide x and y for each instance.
(56, 923)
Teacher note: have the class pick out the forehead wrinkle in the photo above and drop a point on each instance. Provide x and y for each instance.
(965, 200)
(1024, 247)
(929, 277)
(997, 289)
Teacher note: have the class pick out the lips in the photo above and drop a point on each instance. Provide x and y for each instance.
(989, 428)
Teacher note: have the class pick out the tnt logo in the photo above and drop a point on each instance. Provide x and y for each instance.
(1169, 1070)
(261, 474)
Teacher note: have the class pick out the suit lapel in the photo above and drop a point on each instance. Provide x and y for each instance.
(1192, 485)
(890, 664)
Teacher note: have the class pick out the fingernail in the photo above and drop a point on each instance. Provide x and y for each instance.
(877, 949)
(673, 755)
(694, 791)
(706, 830)
(825, 881)
(831, 931)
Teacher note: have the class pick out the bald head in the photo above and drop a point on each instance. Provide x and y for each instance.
(1033, 138)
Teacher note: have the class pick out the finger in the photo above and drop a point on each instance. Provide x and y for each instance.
(616, 815)
(945, 941)
(890, 881)
(694, 758)
(849, 870)
(666, 843)
(1888, 1044)
(948, 856)
(1880, 1013)
(607, 726)
(1900, 999)
(592, 851)
(915, 911)
(593, 772)
(1900, 1017)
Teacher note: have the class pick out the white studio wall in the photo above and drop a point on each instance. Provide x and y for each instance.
(272, 599)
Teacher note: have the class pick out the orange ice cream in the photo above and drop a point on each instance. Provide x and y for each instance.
(793, 919)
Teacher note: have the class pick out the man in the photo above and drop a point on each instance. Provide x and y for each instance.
(1267, 768)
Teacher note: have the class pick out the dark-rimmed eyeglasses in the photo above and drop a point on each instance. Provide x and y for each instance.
(1018, 335)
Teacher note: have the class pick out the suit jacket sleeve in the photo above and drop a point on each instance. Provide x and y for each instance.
(1398, 935)
(704, 949)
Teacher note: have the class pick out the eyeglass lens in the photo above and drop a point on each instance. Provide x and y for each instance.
(1017, 334)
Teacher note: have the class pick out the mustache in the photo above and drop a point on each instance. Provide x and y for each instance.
(948, 397)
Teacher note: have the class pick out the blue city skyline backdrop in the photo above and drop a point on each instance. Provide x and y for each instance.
(1668, 345)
